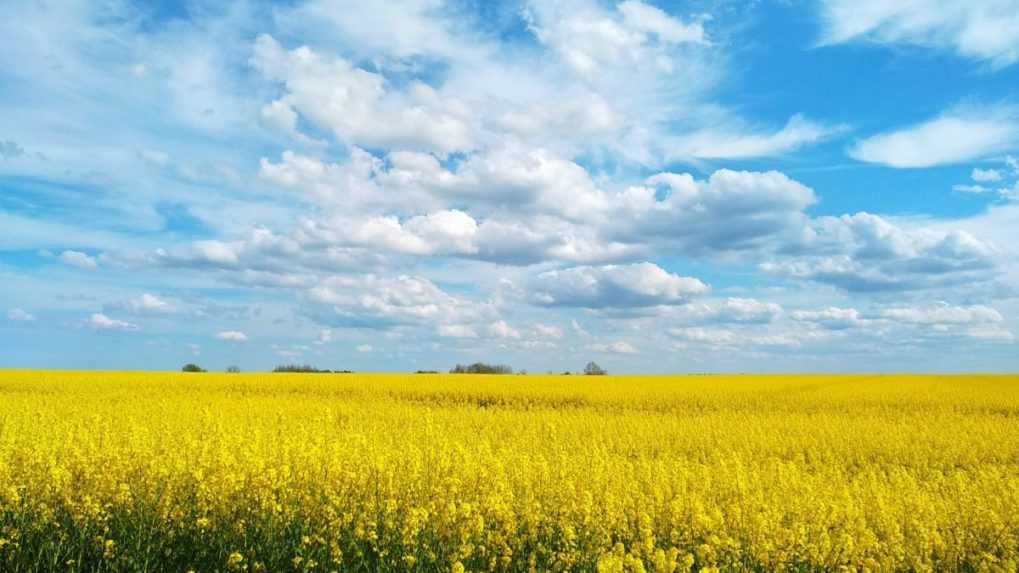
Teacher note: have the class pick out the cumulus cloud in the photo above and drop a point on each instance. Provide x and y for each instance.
(547, 331)
(727, 338)
(262, 257)
(20, 315)
(906, 323)
(942, 313)
(358, 105)
(509, 175)
(731, 211)
(635, 285)
(383, 302)
(865, 252)
(500, 329)
(833, 318)
(232, 336)
(350, 182)
(731, 310)
(150, 304)
(457, 331)
(440, 232)
(590, 38)
(100, 321)
(1003, 181)
(958, 135)
(364, 348)
(78, 259)
(980, 29)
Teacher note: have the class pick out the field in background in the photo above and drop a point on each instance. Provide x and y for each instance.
(103, 471)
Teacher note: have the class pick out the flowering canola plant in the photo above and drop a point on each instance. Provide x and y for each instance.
(122, 471)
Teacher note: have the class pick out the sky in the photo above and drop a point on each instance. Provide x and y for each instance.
(658, 186)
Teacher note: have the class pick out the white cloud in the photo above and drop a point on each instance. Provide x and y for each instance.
(985, 175)
(363, 348)
(500, 329)
(589, 38)
(389, 32)
(358, 105)
(646, 18)
(961, 134)
(578, 329)
(150, 304)
(639, 284)
(617, 347)
(943, 313)
(78, 259)
(992, 334)
(730, 310)
(216, 252)
(740, 143)
(195, 349)
(1010, 193)
(349, 183)
(384, 302)
(440, 232)
(20, 315)
(100, 321)
(325, 336)
(731, 211)
(456, 331)
(547, 331)
(979, 29)
(232, 335)
(833, 318)
(975, 189)
(868, 253)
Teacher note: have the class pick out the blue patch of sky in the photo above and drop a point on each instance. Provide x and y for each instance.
(54, 199)
(503, 21)
(178, 221)
(25, 259)
(869, 89)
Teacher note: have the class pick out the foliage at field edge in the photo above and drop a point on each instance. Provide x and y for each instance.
(288, 472)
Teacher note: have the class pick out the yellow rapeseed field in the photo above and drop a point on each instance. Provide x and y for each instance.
(120, 471)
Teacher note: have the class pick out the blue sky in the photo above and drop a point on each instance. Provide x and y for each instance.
(657, 186)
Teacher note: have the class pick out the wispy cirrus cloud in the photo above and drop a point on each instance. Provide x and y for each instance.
(958, 135)
(985, 30)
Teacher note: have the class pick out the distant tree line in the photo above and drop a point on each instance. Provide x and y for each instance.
(591, 369)
(192, 367)
(308, 368)
(481, 368)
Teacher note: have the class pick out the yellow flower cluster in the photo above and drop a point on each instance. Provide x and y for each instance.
(105, 471)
